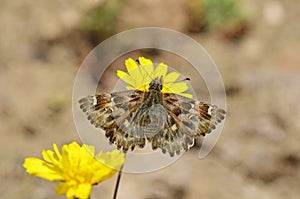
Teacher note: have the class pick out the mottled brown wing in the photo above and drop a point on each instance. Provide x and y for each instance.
(187, 119)
(113, 112)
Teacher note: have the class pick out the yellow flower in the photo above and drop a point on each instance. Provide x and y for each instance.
(77, 168)
(139, 77)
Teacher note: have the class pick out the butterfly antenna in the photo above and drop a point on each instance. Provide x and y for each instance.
(180, 80)
(139, 63)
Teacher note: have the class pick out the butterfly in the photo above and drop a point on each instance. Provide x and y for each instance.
(168, 121)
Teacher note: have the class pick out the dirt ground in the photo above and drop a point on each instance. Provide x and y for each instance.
(257, 155)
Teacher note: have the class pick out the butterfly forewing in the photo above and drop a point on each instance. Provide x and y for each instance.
(112, 112)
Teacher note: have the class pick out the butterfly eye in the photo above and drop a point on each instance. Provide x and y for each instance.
(160, 87)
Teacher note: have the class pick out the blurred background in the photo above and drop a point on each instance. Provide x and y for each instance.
(254, 43)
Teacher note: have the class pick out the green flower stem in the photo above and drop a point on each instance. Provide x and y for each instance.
(118, 181)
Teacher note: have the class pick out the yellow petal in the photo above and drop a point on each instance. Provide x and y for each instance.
(61, 188)
(56, 151)
(171, 77)
(161, 70)
(130, 88)
(179, 87)
(48, 155)
(69, 157)
(139, 76)
(143, 87)
(74, 146)
(186, 95)
(135, 72)
(40, 168)
(125, 77)
(130, 65)
(83, 191)
(89, 149)
(147, 69)
(114, 159)
(70, 192)
(144, 61)
(102, 174)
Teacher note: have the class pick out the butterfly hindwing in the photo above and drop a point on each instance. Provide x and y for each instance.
(187, 119)
(196, 117)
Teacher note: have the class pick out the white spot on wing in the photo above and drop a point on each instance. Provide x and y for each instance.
(209, 110)
(174, 127)
(126, 123)
(94, 100)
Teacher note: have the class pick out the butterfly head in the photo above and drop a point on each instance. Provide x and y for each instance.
(156, 84)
